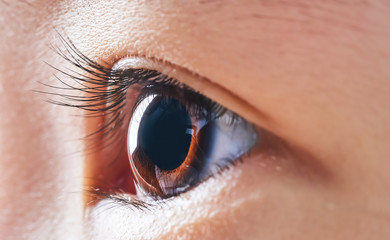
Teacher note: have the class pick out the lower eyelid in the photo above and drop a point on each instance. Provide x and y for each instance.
(217, 196)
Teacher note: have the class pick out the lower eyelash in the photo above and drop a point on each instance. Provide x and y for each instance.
(133, 204)
(123, 199)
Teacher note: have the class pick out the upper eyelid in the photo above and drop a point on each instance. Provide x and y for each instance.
(204, 86)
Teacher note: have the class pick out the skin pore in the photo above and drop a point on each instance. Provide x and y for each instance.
(313, 73)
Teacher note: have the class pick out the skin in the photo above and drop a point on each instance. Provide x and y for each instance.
(313, 73)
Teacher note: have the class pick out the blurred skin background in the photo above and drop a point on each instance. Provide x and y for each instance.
(314, 73)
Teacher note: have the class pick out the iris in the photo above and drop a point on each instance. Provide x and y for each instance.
(174, 143)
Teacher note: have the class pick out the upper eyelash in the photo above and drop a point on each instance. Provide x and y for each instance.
(109, 91)
(108, 94)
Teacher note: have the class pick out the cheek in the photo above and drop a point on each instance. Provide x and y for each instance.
(263, 196)
(37, 173)
(222, 206)
(40, 174)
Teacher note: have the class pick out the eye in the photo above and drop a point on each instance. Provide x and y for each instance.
(176, 139)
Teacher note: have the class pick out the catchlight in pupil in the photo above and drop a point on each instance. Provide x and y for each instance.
(165, 133)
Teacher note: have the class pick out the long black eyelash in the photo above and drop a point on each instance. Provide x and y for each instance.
(105, 89)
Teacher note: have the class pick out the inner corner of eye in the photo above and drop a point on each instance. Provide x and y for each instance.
(108, 176)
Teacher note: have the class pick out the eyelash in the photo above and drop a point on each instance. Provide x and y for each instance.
(108, 95)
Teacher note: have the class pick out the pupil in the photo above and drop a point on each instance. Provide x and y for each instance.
(163, 133)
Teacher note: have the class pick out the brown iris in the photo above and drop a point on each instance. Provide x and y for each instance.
(164, 160)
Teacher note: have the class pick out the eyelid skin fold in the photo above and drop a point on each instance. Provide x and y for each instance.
(201, 84)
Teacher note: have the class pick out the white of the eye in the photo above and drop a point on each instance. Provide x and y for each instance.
(132, 136)
(231, 140)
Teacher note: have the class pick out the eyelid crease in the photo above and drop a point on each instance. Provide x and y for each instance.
(199, 83)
